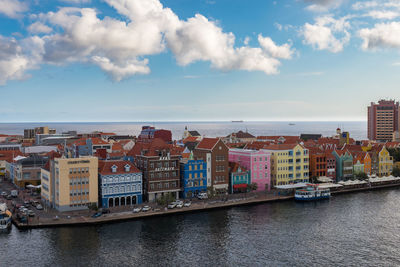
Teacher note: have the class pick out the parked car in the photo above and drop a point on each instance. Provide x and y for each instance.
(26, 202)
(8, 197)
(39, 207)
(172, 205)
(202, 196)
(31, 213)
(105, 211)
(179, 205)
(4, 194)
(136, 210)
(14, 193)
(146, 208)
(96, 215)
(187, 204)
(35, 203)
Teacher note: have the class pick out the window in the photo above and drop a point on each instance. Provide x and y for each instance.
(159, 186)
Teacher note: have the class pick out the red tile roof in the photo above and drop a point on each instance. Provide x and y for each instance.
(207, 143)
(9, 155)
(190, 139)
(234, 166)
(150, 149)
(105, 167)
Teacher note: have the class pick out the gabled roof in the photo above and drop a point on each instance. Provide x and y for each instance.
(241, 134)
(194, 133)
(190, 139)
(207, 143)
(95, 141)
(105, 167)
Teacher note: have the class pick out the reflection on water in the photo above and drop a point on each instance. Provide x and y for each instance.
(358, 229)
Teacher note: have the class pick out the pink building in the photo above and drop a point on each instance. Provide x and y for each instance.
(258, 162)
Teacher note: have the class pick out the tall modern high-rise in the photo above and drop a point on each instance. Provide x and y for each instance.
(383, 120)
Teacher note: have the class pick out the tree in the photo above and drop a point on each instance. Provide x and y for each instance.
(314, 179)
(396, 172)
(395, 153)
(210, 192)
(361, 176)
(252, 187)
(166, 199)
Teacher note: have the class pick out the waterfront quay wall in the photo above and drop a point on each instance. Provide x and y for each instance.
(197, 207)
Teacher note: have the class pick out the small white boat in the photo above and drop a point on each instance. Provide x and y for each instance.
(5, 217)
(312, 192)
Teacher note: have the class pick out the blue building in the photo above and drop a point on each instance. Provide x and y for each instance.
(193, 177)
(120, 184)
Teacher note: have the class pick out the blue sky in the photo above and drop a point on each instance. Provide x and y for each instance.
(163, 60)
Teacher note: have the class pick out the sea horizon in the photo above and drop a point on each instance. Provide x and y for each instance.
(357, 129)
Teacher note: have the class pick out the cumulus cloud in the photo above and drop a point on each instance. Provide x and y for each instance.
(284, 51)
(39, 27)
(13, 8)
(321, 35)
(18, 57)
(382, 35)
(119, 47)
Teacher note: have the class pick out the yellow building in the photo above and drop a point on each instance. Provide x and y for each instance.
(289, 164)
(72, 183)
(385, 162)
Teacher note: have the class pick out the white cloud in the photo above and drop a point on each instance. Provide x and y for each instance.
(284, 51)
(76, 1)
(39, 27)
(119, 72)
(383, 14)
(119, 47)
(321, 35)
(246, 40)
(382, 35)
(278, 26)
(322, 5)
(15, 60)
(13, 8)
(364, 5)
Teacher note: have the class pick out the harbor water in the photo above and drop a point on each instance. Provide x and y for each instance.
(360, 229)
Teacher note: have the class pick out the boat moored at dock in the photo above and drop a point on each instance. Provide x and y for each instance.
(312, 192)
(5, 217)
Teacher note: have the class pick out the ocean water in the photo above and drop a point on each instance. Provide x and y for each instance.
(360, 229)
(357, 129)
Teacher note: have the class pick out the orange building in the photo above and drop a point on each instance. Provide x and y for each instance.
(318, 165)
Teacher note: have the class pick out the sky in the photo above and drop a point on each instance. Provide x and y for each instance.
(196, 60)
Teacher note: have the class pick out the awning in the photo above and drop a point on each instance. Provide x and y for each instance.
(238, 186)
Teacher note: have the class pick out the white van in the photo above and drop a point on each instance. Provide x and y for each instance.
(202, 196)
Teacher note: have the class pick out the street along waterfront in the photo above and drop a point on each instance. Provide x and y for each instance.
(274, 234)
